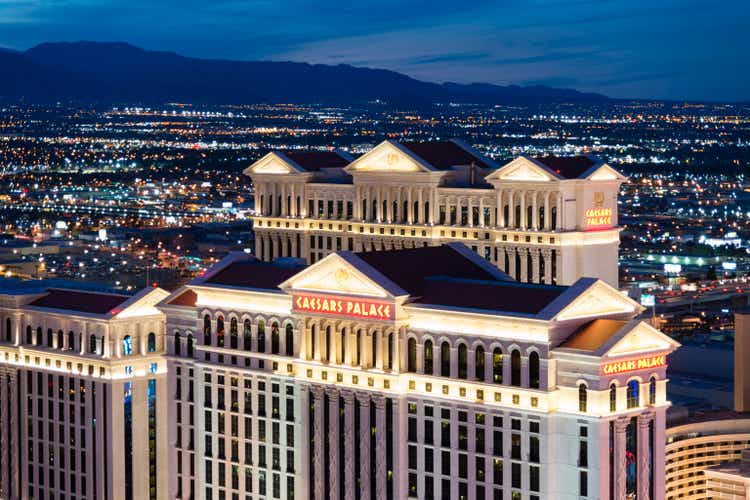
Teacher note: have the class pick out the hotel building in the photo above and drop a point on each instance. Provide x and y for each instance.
(83, 394)
(415, 373)
(543, 220)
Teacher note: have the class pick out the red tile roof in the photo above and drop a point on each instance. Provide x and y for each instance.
(594, 334)
(312, 161)
(445, 154)
(409, 267)
(85, 302)
(254, 274)
(187, 298)
(504, 296)
(569, 167)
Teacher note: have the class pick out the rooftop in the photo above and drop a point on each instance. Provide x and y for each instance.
(81, 301)
(569, 167)
(446, 154)
(253, 274)
(313, 161)
(594, 334)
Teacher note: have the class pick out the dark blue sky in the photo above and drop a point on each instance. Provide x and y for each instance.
(680, 49)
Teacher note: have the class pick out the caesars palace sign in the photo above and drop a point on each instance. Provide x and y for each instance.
(598, 216)
(343, 306)
(634, 364)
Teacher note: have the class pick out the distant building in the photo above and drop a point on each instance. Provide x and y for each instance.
(542, 220)
(730, 481)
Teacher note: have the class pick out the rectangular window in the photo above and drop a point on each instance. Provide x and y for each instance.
(583, 483)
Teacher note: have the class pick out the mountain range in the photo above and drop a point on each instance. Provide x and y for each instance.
(123, 73)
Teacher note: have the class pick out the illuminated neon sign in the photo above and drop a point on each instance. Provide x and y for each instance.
(634, 364)
(342, 306)
(598, 218)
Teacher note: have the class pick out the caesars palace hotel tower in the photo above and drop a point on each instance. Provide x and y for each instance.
(541, 220)
(416, 323)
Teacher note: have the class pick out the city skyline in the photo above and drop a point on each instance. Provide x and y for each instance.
(620, 51)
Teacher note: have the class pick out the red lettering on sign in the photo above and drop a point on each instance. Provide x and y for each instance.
(344, 306)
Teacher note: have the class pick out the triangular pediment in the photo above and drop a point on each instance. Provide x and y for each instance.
(338, 275)
(598, 300)
(641, 339)
(522, 169)
(273, 163)
(606, 173)
(142, 304)
(388, 156)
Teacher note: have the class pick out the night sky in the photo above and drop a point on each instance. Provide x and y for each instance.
(689, 49)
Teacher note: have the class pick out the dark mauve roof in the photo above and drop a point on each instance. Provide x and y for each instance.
(86, 302)
(445, 154)
(254, 274)
(313, 161)
(504, 296)
(594, 334)
(409, 267)
(186, 298)
(570, 167)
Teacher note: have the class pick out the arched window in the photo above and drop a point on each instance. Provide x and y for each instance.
(391, 351)
(220, 331)
(92, 344)
(497, 366)
(289, 340)
(8, 328)
(358, 359)
(534, 370)
(613, 397)
(261, 336)
(632, 393)
(29, 335)
(49, 337)
(207, 330)
(342, 346)
(652, 391)
(190, 342)
(71, 341)
(428, 358)
(234, 333)
(462, 360)
(411, 355)
(127, 345)
(582, 398)
(247, 335)
(177, 343)
(479, 363)
(515, 368)
(374, 348)
(60, 339)
(151, 342)
(39, 340)
(275, 338)
(328, 344)
(445, 359)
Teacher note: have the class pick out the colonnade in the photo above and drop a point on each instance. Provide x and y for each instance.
(368, 472)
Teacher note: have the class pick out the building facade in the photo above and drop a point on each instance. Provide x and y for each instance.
(694, 447)
(423, 373)
(544, 220)
(82, 394)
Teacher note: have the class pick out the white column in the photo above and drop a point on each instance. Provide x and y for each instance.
(500, 222)
(621, 425)
(319, 447)
(380, 448)
(349, 451)
(534, 211)
(364, 444)
(546, 211)
(522, 203)
(333, 443)
(644, 454)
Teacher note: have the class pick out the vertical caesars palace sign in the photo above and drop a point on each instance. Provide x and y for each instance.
(598, 216)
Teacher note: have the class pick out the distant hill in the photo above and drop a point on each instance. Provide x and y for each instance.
(119, 72)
